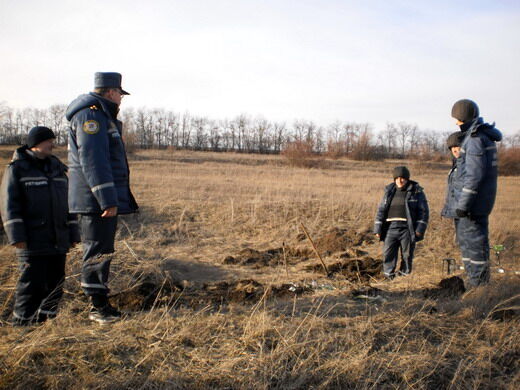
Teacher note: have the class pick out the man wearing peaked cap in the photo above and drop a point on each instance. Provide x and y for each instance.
(99, 184)
(109, 80)
(475, 186)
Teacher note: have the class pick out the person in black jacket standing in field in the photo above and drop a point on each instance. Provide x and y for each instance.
(401, 221)
(99, 184)
(475, 188)
(37, 222)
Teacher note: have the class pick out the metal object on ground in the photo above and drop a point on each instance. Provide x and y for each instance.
(497, 249)
(449, 265)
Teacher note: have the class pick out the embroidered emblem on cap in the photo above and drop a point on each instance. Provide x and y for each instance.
(91, 127)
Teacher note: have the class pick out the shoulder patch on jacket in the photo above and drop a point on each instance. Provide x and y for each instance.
(91, 127)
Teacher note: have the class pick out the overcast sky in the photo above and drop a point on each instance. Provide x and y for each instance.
(365, 61)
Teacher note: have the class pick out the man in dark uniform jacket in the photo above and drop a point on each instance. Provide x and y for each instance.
(37, 222)
(475, 185)
(401, 221)
(99, 184)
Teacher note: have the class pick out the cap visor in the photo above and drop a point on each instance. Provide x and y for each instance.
(124, 92)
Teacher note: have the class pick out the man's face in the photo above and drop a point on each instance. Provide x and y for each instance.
(400, 182)
(115, 95)
(44, 149)
(457, 122)
(455, 150)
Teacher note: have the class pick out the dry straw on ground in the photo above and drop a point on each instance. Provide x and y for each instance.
(202, 274)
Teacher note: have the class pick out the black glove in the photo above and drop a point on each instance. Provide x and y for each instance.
(461, 213)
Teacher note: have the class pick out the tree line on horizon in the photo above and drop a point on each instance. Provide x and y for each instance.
(159, 128)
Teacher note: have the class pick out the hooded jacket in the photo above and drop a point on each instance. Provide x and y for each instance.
(452, 193)
(99, 174)
(33, 200)
(475, 180)
(417, 211)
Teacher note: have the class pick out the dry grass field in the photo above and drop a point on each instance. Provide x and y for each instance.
(222, 289)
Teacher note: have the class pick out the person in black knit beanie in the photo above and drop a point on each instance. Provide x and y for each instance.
(401, 221)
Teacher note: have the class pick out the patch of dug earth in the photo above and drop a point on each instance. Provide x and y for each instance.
(245, 291)
(333, 241)
(268, 258)
(355, 270)
(147, 291)
(448, 288)
(340, 240)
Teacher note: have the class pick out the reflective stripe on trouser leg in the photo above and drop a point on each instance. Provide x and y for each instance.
(474, 245)
(98, 236)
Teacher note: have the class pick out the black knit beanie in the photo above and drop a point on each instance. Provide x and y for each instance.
(465, 110)
(455, 139)
(401, 172)
(39, 134)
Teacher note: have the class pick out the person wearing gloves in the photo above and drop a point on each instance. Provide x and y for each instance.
(401, 221)
(99, 184)
(36, 219)
(476, 176)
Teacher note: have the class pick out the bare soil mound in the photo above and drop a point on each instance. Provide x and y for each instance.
(148, 290)
(340, 240)
(269, 257)
(333, 241)
(448, 288)
(355, 270)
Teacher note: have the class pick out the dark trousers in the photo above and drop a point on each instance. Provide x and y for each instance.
(40, 287)
(472, 237)
(398, 236)
(97, 235)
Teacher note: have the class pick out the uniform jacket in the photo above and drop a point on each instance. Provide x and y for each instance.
(34, 207)
(417, 211)
(477, 168)
(452, 193)
(99, 174)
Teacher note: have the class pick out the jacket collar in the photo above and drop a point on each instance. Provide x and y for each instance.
(111, 108)
(22, 154)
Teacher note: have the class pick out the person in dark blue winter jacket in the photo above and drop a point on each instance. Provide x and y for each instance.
(99, 186)
(475, 184)
(454, 188)
(38, 224)
(401, 221)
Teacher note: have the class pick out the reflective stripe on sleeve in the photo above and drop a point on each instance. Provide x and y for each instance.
(14, 220)
(469, 191)
(24, 179)
(101, 186)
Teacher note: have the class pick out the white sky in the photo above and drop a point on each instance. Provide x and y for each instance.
(365, 61)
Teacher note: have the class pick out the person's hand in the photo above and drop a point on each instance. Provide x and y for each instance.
(377, 235)
(20, 245)
(461, 213)
(110, 212)
(417, 234)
